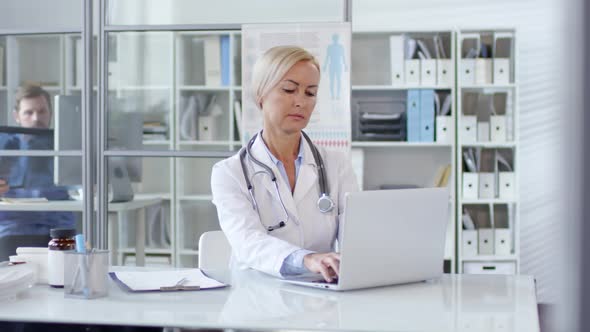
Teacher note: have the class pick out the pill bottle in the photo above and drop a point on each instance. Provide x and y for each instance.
(62, 239)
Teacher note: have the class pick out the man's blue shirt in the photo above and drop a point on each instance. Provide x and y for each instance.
(30, 177)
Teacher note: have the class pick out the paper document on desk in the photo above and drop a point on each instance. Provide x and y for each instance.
(10, 200)
(145, 281)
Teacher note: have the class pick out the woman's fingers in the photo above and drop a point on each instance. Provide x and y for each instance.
(333, 263)
(327, 264)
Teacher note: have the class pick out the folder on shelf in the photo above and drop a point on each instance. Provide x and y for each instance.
(498, 128)
(502, 58)
(427, 115)
(485, 230)
(487, 175)
(357, 156)
(79, 63)
(470, 49)
(413, 116)
(442, 176)
(212, 61)
(444, 126)
(225, 59)
(506, 177)
(445, 72)
(469, 243)
(169, 280)
(396, 56)
(1, 66)
(502, 231)
(238, 117)
(428, 72)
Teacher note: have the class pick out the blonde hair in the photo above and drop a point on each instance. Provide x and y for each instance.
(273, 65)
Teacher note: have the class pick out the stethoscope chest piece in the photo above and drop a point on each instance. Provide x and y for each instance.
(325, 203)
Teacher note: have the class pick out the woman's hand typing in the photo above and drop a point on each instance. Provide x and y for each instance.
(327, 264)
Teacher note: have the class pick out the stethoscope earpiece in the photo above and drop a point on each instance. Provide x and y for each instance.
(277, 226)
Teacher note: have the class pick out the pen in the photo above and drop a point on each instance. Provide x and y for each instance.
(82, 266)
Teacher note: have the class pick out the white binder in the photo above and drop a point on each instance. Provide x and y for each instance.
(468, 128)
(483, 71)
(445, 131)
(506, 185)
(428, 72)
(470, 185)
(502, 241)
(396, 56)
(486, 185)
(498, 128)
(412, 68)
(445, 72)
(483, 131)
(469, 242)
(485, 241)
(467, 71)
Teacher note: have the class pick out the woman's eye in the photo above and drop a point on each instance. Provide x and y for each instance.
(289, 90)
(310, 93)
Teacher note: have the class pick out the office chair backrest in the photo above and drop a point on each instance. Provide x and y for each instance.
(214, 250)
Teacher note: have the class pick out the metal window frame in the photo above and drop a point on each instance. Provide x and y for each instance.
(102, 152)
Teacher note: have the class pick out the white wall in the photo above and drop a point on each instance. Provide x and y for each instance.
(39, 15)
(224, 11)
(541, 41)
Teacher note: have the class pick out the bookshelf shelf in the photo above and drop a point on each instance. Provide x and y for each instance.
(197, 143)
(491, 144)
(148, 251)
(359, 144)
(398, 88)
(488, 201)
(156, 142)
(488, 86)
(139, 87)
(203, 88)
(195, 197)
(490, 258)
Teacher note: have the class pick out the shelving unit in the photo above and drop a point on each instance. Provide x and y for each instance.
(487, 122)
(164, 71)
(32, 58)
(376, 83)
(160, 71)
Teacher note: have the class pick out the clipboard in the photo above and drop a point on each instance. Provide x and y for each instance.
(164, 281)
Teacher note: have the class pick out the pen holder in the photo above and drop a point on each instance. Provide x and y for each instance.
(86, 274)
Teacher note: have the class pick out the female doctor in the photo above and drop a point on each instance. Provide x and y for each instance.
(280, 198)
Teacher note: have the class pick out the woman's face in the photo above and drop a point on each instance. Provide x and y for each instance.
(288, 106)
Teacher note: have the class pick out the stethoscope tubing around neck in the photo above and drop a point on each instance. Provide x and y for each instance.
(325, 203)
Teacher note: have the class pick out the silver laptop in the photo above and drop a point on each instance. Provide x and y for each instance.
(389, 237)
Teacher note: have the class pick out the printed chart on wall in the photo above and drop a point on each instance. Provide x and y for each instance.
(329, 125)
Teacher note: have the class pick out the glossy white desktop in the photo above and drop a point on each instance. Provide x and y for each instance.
(139, 204)
(257, 301)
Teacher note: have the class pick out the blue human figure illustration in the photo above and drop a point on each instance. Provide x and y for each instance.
(336, 61)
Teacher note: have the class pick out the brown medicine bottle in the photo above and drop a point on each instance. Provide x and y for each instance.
(62, 239)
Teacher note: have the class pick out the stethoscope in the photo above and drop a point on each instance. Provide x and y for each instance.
(325, 203)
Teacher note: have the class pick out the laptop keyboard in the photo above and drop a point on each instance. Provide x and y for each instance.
(322, 281)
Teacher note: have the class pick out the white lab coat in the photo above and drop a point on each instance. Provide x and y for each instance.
(307, 227)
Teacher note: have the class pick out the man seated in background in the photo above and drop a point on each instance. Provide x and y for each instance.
(30, 228)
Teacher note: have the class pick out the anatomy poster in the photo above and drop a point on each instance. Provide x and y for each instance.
(329, 124)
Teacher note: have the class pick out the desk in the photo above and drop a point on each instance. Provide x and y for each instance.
(257, 301)
(139, 203)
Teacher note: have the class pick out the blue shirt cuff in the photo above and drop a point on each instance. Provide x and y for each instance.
(293, 264)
